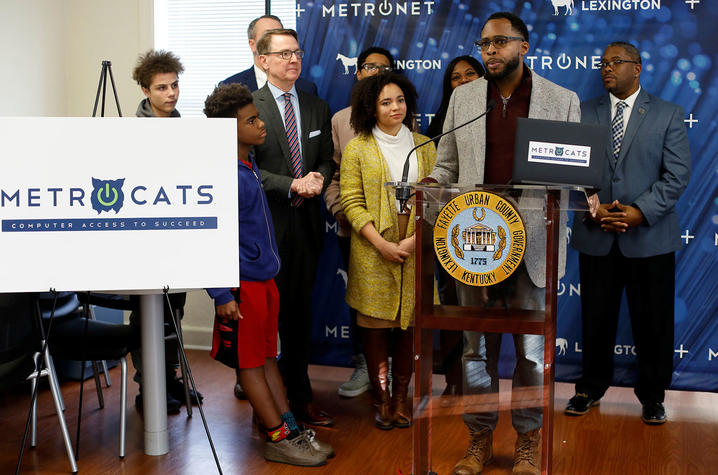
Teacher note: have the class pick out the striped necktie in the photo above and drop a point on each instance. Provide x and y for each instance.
(295, 154)
(617, 129)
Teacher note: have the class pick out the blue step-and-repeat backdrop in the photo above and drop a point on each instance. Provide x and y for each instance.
(567, 37)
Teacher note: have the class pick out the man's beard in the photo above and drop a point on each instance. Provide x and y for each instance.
(509, 67)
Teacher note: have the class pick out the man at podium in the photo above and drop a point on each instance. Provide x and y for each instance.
(482, 153)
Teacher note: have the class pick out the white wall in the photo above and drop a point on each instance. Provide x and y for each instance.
(51, 53)
(32, 55)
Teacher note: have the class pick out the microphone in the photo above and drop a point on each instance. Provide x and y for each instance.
(403, 193)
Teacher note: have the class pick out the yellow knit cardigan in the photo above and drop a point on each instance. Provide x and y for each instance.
(375, 286)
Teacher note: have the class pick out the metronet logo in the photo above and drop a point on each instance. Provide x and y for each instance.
(107, 195)
(382, 8)
(619, 5)
(563, 62)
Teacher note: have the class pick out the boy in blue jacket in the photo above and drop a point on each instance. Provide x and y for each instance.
(245, 328)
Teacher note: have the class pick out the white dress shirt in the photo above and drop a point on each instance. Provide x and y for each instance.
(630, 101)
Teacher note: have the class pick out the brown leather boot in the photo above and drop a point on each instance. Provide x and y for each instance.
(377, 362)
(402, 367)
(478, 455)
(527, 456)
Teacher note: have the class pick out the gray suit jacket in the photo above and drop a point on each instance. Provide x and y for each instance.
(461, 155)
(273, 159)
(651, 172)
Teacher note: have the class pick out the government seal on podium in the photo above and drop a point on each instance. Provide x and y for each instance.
(479, 238)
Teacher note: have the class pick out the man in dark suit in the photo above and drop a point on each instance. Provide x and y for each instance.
(296, 165)
(255, 77)
(631, 241)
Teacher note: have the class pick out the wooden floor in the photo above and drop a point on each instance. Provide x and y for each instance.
(609, 440)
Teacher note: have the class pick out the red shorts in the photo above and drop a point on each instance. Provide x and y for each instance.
(257, 330)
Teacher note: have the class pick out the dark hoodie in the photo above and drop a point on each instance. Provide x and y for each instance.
(145, 110)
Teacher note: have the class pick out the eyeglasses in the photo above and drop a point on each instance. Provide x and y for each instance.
(498, 42)
(287, 54)
(371, 67)
(615, 62)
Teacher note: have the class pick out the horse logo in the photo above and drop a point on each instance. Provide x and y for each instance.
(562, 345)
(562, 3)
(347, 62)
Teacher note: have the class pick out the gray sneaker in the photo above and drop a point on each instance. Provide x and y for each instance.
(358, 383)
(296, 451)
(318, 446)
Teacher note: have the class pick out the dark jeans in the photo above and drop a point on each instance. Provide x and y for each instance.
(481, 356)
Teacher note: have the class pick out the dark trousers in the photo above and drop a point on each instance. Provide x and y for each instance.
(649, 285)
(299, 254)
(357, 338)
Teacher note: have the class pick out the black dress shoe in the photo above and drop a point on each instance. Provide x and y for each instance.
(580, 404)
(175, 387)
(654, 413)
(312, 415)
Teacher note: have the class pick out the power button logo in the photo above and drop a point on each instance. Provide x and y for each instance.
(107, 195)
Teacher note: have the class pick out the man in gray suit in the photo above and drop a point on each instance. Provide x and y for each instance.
(296, 165)
(483, 153)
(631, 241)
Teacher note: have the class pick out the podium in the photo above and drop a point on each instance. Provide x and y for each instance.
(446, 237)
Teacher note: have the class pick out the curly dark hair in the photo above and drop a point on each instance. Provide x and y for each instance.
(226, 100)
(155, 62)
(437, 122)
(365, 94)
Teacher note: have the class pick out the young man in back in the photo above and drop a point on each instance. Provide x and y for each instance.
(247, 318)
(157, 73)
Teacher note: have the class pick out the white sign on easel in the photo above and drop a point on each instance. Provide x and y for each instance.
(118, 204)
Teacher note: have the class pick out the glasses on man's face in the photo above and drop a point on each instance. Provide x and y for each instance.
(371, 67)
(614, 63)
(499, 42)
(287, 54)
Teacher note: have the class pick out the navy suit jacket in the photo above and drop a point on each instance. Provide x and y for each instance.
(274, 162)
(249, 79)
(651, 172)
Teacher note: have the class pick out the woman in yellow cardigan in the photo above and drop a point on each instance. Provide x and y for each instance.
(380, 284)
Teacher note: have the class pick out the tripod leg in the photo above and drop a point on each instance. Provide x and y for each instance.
(114, 89)
(99, 88)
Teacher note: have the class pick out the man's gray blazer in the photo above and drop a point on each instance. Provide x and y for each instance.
(651, 172)
(461, 155)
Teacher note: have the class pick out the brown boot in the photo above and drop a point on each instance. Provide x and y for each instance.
(377, 362)
(402, 367)
(478, 455)
(527, 457)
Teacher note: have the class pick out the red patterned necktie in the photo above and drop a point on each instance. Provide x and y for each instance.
(295, 154)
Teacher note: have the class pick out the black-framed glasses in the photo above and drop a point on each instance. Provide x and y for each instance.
(615, 62)
(499, 42)
(371, 67)
(287, 53)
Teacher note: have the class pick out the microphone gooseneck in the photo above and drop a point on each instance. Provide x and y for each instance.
(403, 192)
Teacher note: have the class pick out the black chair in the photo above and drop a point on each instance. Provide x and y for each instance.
(86, 339)
(131, 304)
(21, 357)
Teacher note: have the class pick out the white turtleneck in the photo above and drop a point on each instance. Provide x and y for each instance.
(394, 148)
